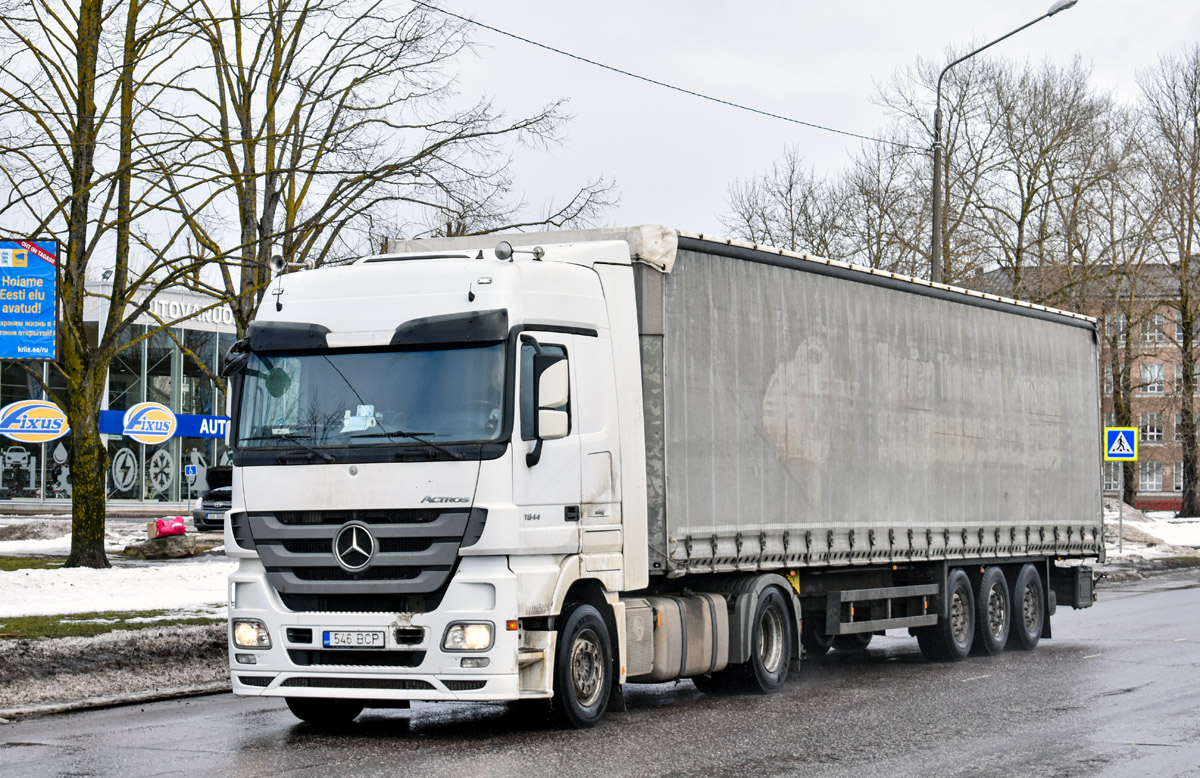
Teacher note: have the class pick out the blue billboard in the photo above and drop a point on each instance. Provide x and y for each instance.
(28, 299)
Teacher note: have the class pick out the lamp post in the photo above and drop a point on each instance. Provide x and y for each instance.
(935, 254)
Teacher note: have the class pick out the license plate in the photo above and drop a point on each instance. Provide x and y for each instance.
(348, 638)
(216, 517)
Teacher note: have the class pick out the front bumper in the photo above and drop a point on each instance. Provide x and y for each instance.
(412, 665)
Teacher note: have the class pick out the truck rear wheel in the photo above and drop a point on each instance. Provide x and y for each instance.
(993, 609)
(317, 710)
(770, 643)
(950, 639)
(1028, 604)
(856, 642)
(814, 638)
(582, 667)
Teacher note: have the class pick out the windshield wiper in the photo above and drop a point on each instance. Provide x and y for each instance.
(294, 438)
(392, 435)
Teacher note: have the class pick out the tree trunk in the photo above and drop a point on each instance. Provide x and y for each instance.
(89, 461)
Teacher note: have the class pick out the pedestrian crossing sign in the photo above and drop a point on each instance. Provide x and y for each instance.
(1120, 444)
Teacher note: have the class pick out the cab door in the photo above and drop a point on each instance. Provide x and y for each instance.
(547, 493)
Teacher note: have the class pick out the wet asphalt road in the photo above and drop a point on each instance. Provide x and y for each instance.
(1116, 693)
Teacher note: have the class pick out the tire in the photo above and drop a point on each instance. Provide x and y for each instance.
(770, 643)
(856, 642)
(951, 638)
(813, 638)
(993, 613)
(1028, 608)
(727, 681)
(583, 667)
(318, 710)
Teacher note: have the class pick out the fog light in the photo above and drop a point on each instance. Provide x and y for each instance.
(246, 659)
(468, 637)
(251, 633)
(475, 662)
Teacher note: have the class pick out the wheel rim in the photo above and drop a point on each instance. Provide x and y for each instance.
(1030, 608)
(587, 668)
(997, 610)
(770, 639)
(959, 625)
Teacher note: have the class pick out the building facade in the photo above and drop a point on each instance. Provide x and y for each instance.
(159, 369)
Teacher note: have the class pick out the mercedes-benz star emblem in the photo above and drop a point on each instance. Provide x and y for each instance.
(353, 547)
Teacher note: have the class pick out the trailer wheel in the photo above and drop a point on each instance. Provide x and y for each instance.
(950, 639)
(813, 637)
(582, 667)
(1028, 606)
(770, 643)
(993, 611)
(317, 710)
(855, 642)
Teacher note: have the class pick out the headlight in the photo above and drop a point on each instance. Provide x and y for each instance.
(468, 637)
(251, 633)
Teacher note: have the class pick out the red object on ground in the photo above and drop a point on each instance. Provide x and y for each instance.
(162, 527)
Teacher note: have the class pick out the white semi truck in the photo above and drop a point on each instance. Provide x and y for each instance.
(545, 466)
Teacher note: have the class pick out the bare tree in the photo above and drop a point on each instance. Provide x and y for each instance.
(328, 127)
(789, 208)
(969, 150)
(81, 158)
(1171, 104)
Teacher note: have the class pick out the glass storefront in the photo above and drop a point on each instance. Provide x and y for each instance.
(156, 369)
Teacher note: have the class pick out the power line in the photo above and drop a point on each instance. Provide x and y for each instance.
(663, 84)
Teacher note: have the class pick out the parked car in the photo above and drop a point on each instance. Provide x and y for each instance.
(209, 514)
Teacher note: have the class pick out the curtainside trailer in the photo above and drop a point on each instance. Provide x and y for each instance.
(544, 466)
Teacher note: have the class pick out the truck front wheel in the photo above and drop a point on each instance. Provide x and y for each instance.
(317, 710)
(582, 667)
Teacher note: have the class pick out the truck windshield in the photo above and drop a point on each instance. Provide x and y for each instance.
(314, 400)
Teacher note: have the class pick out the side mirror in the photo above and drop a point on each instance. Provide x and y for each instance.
(551, 384)
(236, 358)
(550, 372)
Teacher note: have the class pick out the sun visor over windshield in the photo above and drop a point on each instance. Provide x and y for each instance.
(471, 327)
(286, 336)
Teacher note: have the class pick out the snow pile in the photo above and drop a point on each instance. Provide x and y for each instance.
(192, 586)
(1149, 535)
(53, 538)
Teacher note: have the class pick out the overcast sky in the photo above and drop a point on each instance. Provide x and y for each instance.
(673, 156)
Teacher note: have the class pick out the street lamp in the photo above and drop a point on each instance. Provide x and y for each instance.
(935, 261)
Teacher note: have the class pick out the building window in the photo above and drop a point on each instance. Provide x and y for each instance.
(1179, 476)
(1178, 424)
(1152, 378)
(1115, 325)
(1110, 419)
(1112, 476)
(1151, 426)
(1150, 476)
(1153, 329)
(1108, 379)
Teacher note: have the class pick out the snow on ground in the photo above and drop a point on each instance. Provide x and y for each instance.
(1150, 535)
(53, 536)
(183, 586)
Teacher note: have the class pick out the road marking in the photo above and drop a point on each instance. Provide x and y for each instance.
(1092, 656)
(1178, 640)
(975, 677)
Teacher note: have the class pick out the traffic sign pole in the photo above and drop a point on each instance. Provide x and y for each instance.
(1121, 514)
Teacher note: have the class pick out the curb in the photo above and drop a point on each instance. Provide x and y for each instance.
(8, 715)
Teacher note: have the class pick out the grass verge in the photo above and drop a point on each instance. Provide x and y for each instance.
(90, 624)
(9, 563)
